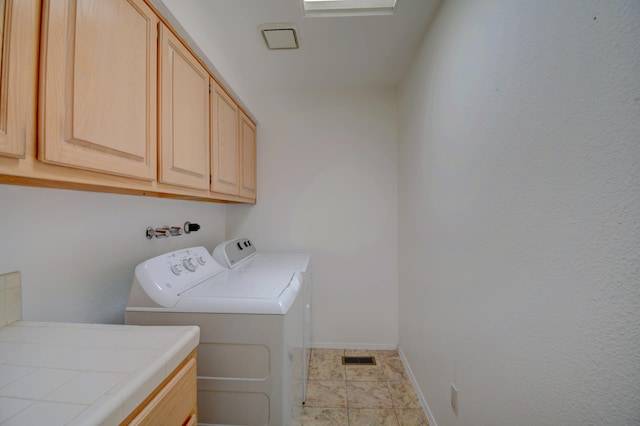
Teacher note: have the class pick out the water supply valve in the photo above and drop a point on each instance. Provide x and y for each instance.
(170, 231)
(190, 227)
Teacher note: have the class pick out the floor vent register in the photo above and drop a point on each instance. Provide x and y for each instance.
(358, 360)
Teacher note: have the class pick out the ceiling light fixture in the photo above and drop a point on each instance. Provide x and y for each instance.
(348, 7)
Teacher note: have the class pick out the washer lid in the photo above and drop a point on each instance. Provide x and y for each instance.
(243, 285)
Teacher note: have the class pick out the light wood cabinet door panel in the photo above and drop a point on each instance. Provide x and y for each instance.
(248, 157)
(184, 112)
(175, 403)
(18, 75)
(98, 86)
(225, 149)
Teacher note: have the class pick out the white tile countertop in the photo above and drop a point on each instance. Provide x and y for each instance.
(84, 374)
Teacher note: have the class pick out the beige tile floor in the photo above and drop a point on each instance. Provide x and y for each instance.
(360, 395)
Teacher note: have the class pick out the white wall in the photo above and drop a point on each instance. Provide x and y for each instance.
(327, 184)
(77, 251)
(519, 218)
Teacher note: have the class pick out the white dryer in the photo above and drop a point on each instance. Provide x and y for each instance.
(252, 363)
(241, 255)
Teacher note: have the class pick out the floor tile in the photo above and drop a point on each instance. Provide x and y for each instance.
(359, 395)
(394, 369)
(326, 394)
(403, 395)
(335, 354)
(368, 395)
(316, 416)
(411, 417)
(372, 417)
(371, 373)
(326, 369)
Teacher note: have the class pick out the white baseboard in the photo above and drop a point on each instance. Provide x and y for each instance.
(423, 401)
(362, 346)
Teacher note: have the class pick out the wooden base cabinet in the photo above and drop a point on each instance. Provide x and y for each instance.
(173, 403)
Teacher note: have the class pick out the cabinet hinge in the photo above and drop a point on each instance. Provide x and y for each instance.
(210, 180)
(209, 88)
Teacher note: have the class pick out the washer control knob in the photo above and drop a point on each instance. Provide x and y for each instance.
(176, 269)
(201, 260)
(188, 263)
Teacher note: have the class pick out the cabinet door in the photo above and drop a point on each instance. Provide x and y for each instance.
(98, 86)
(175, 403)
(225, 149)
(18, 74)
(184, 112)
(248, 157)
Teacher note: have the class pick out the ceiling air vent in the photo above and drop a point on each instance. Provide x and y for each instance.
(280, 36)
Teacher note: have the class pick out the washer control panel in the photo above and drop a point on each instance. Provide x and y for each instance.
(188, 263)
(164, 277)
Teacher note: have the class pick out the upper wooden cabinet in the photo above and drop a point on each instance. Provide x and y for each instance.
(184, 115)
(120, 104)
(225, 146)
(233, 147)
(18, 75)
(98, 86)
(247, 157)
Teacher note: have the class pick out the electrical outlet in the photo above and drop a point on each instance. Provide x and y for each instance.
(454, 399)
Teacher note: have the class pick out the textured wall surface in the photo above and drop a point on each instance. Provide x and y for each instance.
(327, 181)
(519, 217)
(76, 251)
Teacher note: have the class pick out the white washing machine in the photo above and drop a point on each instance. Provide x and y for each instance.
(252, 356)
